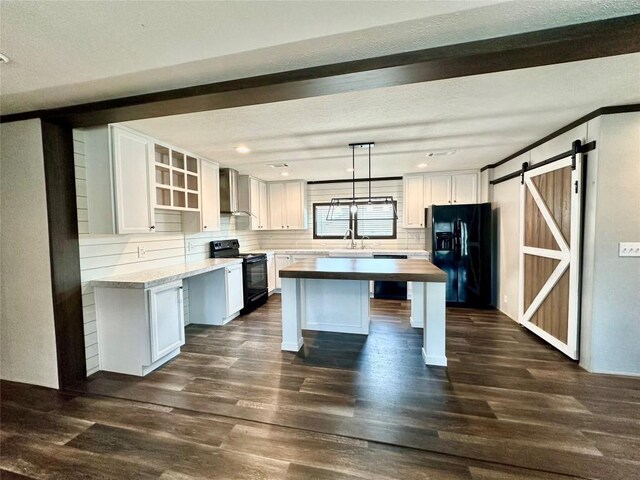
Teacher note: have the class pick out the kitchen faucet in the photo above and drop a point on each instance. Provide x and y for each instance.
(362, 238)
(352, 245)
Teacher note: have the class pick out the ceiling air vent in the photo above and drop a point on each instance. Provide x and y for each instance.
(440, 154)
(279, 165)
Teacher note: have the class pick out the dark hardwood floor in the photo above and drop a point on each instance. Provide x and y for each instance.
(233, 405)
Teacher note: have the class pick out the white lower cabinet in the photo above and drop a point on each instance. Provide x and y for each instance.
(281, 262)
(234, 287)
(139, 329)
(271, 273)
(216, 298)
(166, 319)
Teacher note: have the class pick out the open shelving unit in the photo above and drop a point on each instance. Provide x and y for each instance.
(177, 180)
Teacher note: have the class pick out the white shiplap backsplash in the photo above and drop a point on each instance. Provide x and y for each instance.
(409, 239)
(106, 255)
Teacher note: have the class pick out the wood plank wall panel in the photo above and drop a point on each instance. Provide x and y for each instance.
(410, 239)
(537, 271)
(106, 255)
(553, 314)
(536, 231)
(555, 190)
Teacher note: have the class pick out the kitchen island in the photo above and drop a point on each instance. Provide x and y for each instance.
(332, 294)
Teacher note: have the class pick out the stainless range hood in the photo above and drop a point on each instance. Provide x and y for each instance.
(229, 193)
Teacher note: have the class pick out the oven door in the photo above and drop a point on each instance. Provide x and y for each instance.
(255, 277)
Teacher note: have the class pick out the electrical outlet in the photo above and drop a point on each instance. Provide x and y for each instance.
(142, 252)
(629, 249)
(505, 299)
(189, 246)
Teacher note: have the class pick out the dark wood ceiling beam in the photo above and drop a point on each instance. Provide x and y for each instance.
(584, 41)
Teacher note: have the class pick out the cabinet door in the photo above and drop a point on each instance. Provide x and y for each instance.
(271, 273)
(414, 201)
(166, 319)
(276, 206)
(281, 262)
(134, 208)
(254, 203)
(210, 196)
(465, 188)
(263, 203)
(441, 190)
(294, 205)
(233, 285)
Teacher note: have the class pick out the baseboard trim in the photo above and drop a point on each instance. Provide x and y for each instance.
(436, 360)
(292, 347)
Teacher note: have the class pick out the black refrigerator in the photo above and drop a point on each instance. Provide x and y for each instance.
(461, 246)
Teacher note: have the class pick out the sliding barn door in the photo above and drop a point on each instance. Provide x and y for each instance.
(550, 252)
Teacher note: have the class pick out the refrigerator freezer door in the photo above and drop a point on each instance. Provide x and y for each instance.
(444, 247)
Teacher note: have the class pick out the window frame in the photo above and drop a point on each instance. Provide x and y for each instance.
(353, 221)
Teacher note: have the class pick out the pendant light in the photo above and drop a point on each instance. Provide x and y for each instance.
(353, 202)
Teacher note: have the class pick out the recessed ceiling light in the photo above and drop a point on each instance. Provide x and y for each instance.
(423, 165)
(349, 169)
(4, 58)
(285, 174)
(279, 165)
(242, 149)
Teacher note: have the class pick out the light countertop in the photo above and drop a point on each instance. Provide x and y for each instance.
(159, 276)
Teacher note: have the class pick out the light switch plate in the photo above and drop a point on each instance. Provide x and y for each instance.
(629, 249)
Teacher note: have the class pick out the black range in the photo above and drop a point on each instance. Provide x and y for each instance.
(254, 272)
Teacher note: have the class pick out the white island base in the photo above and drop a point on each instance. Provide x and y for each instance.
(334, 305)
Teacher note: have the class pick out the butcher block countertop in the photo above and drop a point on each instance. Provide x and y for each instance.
(399, 270)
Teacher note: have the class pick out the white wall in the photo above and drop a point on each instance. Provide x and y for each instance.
(410, 239)
(27, 336)
(506, 214)
(610, 340)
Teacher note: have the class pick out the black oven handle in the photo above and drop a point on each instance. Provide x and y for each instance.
(256, 260)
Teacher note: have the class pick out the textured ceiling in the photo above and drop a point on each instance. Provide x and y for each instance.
(67, 52)
(483, 118)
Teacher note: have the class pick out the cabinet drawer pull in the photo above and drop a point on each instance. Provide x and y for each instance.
(152, 227)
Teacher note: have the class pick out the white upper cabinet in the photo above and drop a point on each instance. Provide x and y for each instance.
(414, 201)
(295, 199)
(176, 179)
(130, 175)
(447, 188)
(263, 200)
(118, 169)
(287, 205)
(440, 190)
(464, 188)
(210, 196)
(134, 209)
(276, 206)
(252, 198)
